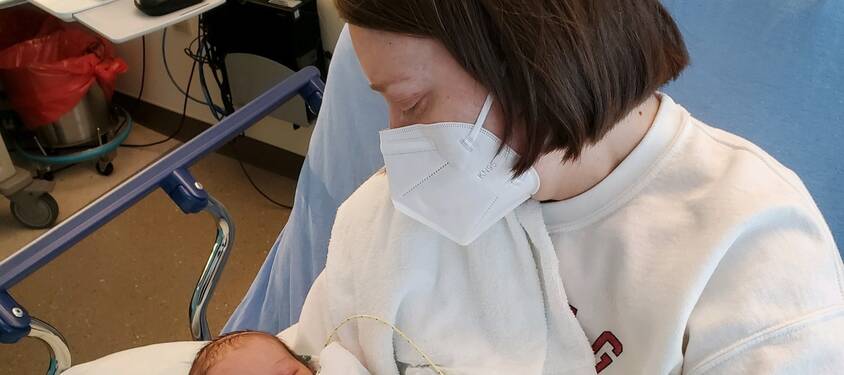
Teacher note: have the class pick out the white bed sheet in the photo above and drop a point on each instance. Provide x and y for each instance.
(172, 358)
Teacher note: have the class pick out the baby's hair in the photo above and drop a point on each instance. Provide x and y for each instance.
(210, 354)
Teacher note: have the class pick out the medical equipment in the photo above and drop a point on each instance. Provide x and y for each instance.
(395, 329)
(171, 174)
(257, 43)
(162, 7)
(285, 32)
(30, 200)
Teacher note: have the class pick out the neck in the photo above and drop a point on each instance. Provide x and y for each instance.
(564, 180)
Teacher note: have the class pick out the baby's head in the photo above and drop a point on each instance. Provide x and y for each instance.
(248, 353)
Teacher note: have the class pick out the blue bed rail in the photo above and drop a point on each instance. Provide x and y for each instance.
(170, 173)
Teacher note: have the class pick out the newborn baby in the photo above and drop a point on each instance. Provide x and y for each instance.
(258, 353)
(248, 353)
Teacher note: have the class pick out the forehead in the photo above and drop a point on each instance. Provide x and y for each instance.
(390, 57)
(253, 354)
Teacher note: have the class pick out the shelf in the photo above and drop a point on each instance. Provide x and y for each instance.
(65, 9)
(121, 21)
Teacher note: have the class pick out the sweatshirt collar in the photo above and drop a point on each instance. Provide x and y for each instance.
(634, 169)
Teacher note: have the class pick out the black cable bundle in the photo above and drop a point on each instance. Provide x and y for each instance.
(203, 53)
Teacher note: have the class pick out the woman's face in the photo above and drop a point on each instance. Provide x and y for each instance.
(423, 84)
(420, 80)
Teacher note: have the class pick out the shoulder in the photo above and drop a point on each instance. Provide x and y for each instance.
(776, 260)
(756, 164)
(734, 169)
(759, 209)
(735, 189)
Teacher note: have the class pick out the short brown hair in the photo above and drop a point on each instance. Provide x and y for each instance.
(564, 71)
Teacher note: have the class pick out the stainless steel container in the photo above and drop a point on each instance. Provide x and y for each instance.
(80, 125)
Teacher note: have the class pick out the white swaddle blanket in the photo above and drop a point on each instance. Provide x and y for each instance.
(496, 306)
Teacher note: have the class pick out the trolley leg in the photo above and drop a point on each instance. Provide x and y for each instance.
(191, 197)
(212, 271)
(59, 353)
(16, 323)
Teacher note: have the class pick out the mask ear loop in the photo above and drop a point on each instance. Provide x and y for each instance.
(469, 141)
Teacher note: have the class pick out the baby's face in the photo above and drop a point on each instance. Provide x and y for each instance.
(259, 355)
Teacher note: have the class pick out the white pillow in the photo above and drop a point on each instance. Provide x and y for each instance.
(173, 358)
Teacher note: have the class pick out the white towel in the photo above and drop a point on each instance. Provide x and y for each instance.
(336, 360)
(496, 306)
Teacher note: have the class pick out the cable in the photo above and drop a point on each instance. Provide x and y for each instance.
(143, 73)
(395, 329)
(252, 182)
(170, 75)
(215, 111)
(181, 120)
(206, 55)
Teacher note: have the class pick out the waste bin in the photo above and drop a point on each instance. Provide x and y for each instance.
(87, 120)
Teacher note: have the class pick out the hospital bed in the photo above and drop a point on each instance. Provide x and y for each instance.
(171, 174)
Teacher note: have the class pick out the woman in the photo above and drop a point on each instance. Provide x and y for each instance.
(661, 245)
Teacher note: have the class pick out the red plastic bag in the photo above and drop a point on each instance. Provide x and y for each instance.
(46, 75)
(24, 22)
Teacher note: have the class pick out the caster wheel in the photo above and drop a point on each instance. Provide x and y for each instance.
(38, 213)
(47, 176)
(105, 168)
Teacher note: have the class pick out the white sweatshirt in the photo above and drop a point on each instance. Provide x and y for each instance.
(699, 254)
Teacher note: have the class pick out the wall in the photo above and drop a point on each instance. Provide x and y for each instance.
(159, 91)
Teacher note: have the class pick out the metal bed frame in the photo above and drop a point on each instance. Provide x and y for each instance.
(171, 174)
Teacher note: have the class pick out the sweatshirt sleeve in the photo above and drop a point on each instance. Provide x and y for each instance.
(774, 304)
(811, 344)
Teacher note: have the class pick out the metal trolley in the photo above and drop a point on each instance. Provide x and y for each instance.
(170, 173)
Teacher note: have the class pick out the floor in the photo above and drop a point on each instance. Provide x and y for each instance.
(129, 283)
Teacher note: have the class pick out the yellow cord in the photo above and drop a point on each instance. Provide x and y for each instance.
(433, 365)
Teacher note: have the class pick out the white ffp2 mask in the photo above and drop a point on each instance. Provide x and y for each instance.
(448, 176)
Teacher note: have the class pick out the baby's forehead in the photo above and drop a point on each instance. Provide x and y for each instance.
(243, 340)
(255, 338)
